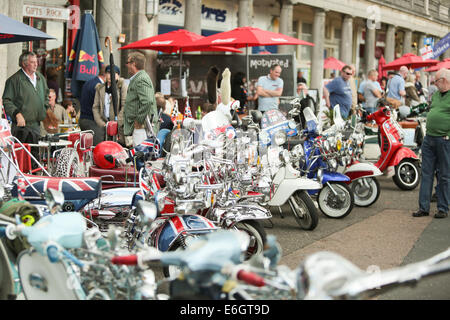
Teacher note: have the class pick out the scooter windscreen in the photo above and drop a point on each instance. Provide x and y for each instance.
(216, 128)
(312, 124)
(272, 122)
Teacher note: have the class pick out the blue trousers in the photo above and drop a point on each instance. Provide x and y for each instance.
(435, 156)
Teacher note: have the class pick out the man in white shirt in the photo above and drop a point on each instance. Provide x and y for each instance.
(269, 89)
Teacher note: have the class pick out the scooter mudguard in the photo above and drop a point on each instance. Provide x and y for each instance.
(329, 176)
(361, 170)
(175, 225)
(288, 186)
(400, 154)
(334, 176)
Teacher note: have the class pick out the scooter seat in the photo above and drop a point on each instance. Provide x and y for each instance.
(73, 188)
(121, 174)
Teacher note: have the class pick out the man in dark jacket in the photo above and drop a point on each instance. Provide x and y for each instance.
(87, 121)
(25, 99)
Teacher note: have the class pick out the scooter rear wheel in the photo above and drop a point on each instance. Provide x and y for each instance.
(407, 174)
(304, 210)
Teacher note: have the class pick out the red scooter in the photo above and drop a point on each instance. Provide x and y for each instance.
(400, 162)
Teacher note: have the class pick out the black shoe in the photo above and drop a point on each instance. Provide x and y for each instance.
(420, 213)
(440, 215)
(434, 198)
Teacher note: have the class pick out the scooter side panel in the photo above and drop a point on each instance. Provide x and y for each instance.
(177, 224)
(401, 154)
(288, 186)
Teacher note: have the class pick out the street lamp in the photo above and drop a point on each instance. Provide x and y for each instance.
(152, 9)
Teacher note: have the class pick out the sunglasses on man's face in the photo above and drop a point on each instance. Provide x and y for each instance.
(348, 73)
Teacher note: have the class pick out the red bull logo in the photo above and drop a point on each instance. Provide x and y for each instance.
(84, 56)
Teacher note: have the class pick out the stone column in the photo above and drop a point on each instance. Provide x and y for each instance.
(369, 52)
(136, 26)
(15, 11)
(389, 51)
(286, 17)
(346, 47)
(407, 41)
(317, 50)
(420, 45)
(193, 16)
(245, 14)
(109, 23)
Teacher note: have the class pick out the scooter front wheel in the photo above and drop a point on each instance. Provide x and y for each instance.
(304, 210)
(337, 205)
(407, 174)
(366, 191)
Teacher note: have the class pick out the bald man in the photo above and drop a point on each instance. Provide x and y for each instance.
(396, 88)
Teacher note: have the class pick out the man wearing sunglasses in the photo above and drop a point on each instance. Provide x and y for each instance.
(339, 92)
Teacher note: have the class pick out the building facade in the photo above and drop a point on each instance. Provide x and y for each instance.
(357, 32)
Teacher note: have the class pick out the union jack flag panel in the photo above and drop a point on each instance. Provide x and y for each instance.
(73, 188)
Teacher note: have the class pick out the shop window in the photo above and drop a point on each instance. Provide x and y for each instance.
(50, 53)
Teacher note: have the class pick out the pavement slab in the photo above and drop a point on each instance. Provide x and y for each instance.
(382, 240)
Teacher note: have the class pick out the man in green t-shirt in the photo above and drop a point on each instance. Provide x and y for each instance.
(436, 149)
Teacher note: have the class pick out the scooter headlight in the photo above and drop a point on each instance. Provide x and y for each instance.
(338, 145)
(280, 137)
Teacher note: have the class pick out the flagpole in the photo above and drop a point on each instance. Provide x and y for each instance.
(181, 71)
(248, 73)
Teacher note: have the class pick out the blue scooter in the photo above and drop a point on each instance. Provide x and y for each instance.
(335, 199)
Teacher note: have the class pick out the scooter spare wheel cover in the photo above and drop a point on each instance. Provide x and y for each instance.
(43, 280)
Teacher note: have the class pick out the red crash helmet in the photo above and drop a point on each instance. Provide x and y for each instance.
(106, 148)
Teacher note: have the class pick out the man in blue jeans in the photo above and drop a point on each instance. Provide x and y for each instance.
(436, 150)
(339, 92)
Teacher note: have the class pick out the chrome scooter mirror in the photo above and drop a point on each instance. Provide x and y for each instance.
(54, 200)
(146, 211)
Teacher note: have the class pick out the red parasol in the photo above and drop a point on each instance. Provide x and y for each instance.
(177, 41)
(411, 61)
(441, 65)
(333, 63)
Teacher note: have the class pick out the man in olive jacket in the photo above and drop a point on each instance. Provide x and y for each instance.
(25, 98)
(140, 101)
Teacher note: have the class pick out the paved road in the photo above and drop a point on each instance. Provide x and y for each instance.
(384, 235)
